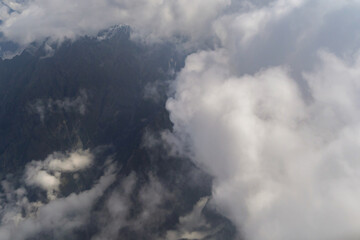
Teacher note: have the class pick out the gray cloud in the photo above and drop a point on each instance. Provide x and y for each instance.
(116, 214)
(113, 216)
(193, 225)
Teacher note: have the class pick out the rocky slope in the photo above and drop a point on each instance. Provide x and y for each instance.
(104, 94)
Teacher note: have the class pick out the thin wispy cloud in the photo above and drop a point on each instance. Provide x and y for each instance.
(45, 107)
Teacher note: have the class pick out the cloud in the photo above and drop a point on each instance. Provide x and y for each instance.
(271, 110)
(22, 219)
(155, 19)
(142, 216)
(285, 167)
(126, 205)
(45, 106)
(251, 20)
(46, 174)
(263, 34)
(113, 216)
(193, 225)
(238, 24)
(273, 114)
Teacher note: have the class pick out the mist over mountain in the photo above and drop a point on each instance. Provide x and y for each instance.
(93, 104)
(90, 92)
(179, 119)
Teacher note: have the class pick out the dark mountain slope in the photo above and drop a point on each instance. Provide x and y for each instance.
(111, 74)
(104, 94)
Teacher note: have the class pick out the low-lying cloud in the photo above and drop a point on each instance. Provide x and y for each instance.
(47, 174)
(270, 111)
(27, 21)
(193, 225)
(111, 204)
(116, 213)
(273, 115)
(285, 167)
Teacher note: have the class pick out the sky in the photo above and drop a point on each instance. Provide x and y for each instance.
(270, 108)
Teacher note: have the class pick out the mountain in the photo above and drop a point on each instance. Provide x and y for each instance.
(105, 95)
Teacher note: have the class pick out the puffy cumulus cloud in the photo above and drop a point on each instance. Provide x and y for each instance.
(46, 174)
(59, 218)
(285, 166)
(39, 19)
(275, 119)
(42, 179)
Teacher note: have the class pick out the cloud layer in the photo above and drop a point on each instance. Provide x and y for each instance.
(273, 115)
(271, 110)
(28, 21)
(285, 168)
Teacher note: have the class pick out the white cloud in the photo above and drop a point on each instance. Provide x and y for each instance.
(42, 179)
(284, 167)
(76, 161)
(281, 144)
(252, 20)
(46, 174)
(39, 19)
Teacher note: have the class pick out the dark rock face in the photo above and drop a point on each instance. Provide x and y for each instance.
(111, 74)
(103, 92)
